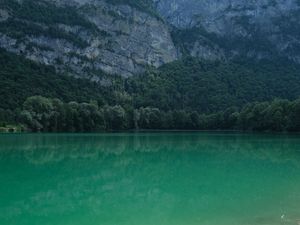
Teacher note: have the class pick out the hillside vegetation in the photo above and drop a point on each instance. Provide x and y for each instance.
(21, 78)
(190, 84)
(187, 94)
(207, 86)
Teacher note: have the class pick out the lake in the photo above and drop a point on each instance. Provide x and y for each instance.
(179, 178)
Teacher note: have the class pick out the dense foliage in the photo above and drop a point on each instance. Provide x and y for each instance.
(52, 115)
(188, 94)
(193, 84)
(21, 78)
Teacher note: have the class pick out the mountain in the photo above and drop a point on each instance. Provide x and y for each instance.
(218, 29)
(170, 54)
(85, 37)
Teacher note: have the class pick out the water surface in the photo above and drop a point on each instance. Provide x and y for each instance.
(149, 179)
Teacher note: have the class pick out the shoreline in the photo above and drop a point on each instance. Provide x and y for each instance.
(153, 131)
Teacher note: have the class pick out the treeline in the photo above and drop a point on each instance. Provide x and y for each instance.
(187, 94)
(52, 115)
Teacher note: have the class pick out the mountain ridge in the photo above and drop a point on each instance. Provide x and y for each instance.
(85, 37)
(125, 53)
(234, 28)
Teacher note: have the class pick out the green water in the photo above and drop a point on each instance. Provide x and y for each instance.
(149, 179)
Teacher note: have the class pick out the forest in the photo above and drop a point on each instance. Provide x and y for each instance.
(190, 94)
(40, 114)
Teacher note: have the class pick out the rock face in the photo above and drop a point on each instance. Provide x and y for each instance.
(216, 14)
(86, 37)
(117, 39)
(253, 28)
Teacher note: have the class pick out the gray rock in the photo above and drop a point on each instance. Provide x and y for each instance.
(267, 26)
(128, 40)
(134, 40)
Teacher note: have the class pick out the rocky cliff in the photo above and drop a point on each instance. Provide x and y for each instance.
(252, 28)
(85, 37)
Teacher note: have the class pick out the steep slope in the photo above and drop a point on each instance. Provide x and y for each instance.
(22, 78)
(188, 84)
(147, 62)
(205, 86)
(84, 37)
(227, 28)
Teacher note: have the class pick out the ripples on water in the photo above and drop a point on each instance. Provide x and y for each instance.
(150, 178)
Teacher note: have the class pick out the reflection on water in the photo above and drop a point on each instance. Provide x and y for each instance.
(149, 178)
(39, 149)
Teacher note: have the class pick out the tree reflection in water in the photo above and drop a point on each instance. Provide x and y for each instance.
(149, 178)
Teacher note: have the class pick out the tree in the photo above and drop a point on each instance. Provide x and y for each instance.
(294, 116)
(41, 113)
(58, 116)
(115, 117)
(195, 119)
(150, 118)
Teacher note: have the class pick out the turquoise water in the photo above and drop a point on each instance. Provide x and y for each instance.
(149, 179)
